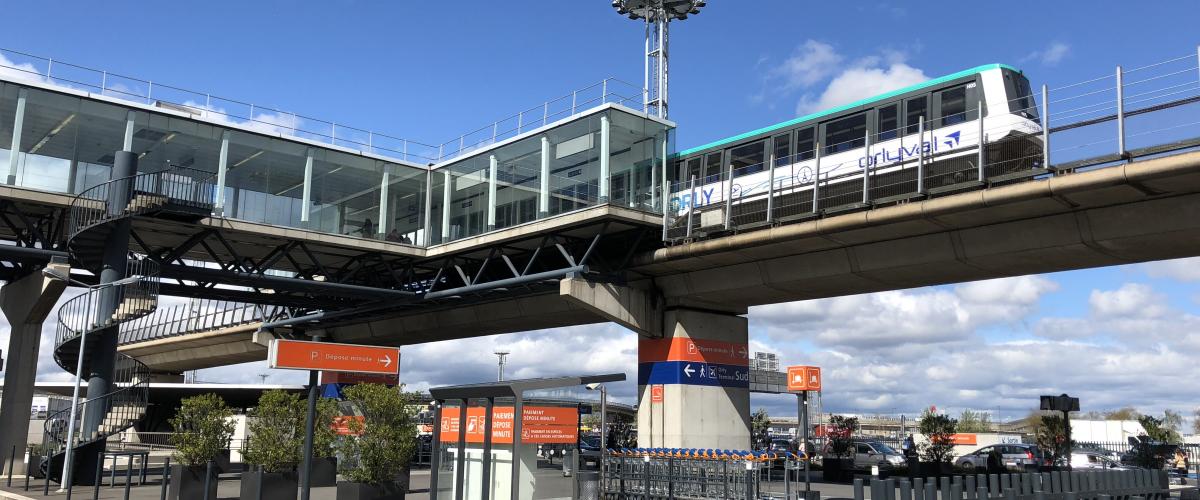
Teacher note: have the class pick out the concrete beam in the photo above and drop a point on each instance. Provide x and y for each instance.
(26, 303)
(632, 308)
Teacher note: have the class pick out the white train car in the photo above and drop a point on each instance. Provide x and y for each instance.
(933, 129)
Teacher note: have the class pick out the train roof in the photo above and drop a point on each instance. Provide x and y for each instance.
(862, 102)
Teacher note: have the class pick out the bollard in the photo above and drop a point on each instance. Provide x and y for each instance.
(128, 476)
(858, 489)
(905, 490)
(12, 458)
(982, 493)
(750, 473)
(919, 489)
(258, 489)
(970, 490)
(30, 455)
(931, 490)
(99, 476)
(207, 478)
(166, 479)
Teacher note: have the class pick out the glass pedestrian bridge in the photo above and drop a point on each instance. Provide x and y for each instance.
(60, 135)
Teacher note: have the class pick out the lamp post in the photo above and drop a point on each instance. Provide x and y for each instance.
(603, 424)
(656, 13)
(500, 369)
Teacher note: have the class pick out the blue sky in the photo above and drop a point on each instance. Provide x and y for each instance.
(432, 70)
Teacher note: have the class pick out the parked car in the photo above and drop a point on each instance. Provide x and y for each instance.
(1090, 460)
(872, 453)
(1099, 450)
(1013, 456)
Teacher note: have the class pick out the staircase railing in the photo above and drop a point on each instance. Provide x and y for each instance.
(194, 317)
(183, 186)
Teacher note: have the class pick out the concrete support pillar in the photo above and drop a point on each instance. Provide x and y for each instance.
(694, 383)
(544, 180)
(26, 303)
(605, 138)
(493, 165)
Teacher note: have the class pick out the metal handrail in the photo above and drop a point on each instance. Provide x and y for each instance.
(181, 185)
(181, 319)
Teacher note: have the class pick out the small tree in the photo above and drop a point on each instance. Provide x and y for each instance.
(276, 430)
(1196, 421)
(325, 436)
(840, 433)
(203, 427)
(939, 431)
(1051, 437)
(974, 421)
(760, 425)
(385, 438)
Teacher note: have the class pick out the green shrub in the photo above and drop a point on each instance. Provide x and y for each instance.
(324, 435)
(385, 439)
(840, 432)
(203, 426)
(276, 428)
(938, 430)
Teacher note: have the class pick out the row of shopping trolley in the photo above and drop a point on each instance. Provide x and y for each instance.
(677, 473)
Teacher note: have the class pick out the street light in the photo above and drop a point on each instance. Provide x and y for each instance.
(656, 13)
(603, 422)
(500, 373)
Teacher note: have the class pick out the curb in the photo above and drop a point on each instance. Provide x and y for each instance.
(14, 496)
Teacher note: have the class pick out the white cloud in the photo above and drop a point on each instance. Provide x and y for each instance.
(1132, 300)
(1178, 269)
(811, 62)
(1049, 56)
(21, 71)
(866, 79)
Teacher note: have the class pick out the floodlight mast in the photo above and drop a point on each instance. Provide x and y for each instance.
(657, 14)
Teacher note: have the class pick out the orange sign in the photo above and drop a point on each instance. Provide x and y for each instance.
(965, 439)
(695, 350)
(303, 355)
(341, 423)
(540, 425)
(804, 378)
(656, 393)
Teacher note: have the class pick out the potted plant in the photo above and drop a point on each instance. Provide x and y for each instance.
(324, 461)
(938, 449)
(838, 463)
(381, 442)
(276, 428)
(202, 428)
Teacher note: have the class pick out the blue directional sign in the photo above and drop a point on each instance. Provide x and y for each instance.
(693, 373)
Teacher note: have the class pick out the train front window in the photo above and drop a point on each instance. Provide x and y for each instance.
(783, 149)
(1023, 103)
(747, 159)
(915, 109)
(805, 144)
(954, 106)
(845, 134)
(889, 122)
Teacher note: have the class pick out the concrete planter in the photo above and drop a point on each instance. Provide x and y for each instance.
(364, 491)
(275, 485)
(187, 483)
(324, 472)
(837, 469)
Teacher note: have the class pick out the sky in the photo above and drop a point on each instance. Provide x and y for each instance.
(429, 71)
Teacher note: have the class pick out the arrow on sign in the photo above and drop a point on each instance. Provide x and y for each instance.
(387, 361)
(687, 370)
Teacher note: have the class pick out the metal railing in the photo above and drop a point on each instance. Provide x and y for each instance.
(896, 167)
(144, 192)
(1057, 485)
(23, 66)
(194, 317)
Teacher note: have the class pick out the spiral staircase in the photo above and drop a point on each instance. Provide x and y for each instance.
(100, 217)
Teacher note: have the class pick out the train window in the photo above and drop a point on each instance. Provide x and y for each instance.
(953, 106)
(748, 159)
(889, 121)
(693, 170)
(916, 108)
(783, 149)
(805, 144)
(1022, 102)
(845, 134)
(712, 167)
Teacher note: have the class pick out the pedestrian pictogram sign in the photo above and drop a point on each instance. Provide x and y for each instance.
(304, 355)
(656, 393)
(804, 378)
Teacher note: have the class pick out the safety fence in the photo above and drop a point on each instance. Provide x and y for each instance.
(696, 473)
(1060, 485)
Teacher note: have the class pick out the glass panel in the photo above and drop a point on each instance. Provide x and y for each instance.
(954, 106)
(748, 159)
(8, 113)
(693, 170)
(406, 205)
(635, 151)
(575, 165)
(518, 180)
(889, 122)
(916, 108)
(437, 191)
(845, 134)
(468, 197)
(51, 156)
(163, 142)
(783, 149)
(805, 144)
